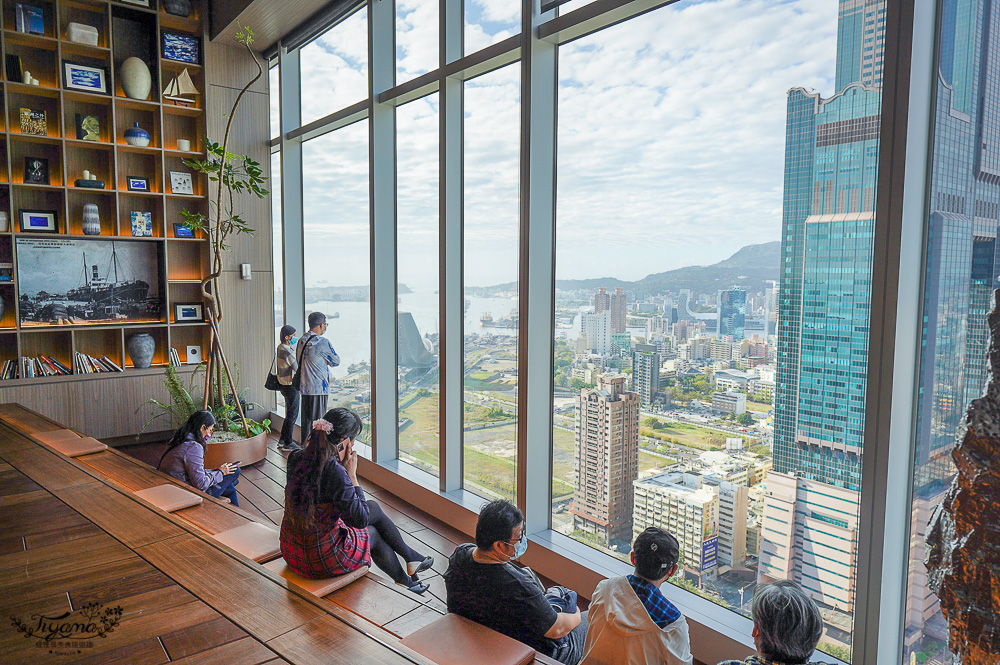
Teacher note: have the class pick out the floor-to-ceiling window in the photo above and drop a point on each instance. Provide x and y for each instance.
(417, 255)
(337, 257)
(492, 107)
(715, 169)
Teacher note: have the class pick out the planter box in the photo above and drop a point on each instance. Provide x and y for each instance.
(246, 451)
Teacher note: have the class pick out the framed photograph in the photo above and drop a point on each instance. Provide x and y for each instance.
(71, 280)
(36, 171)
(137, 184)
(88, 127)
(181, 48)
(142, 224)
(34, 122)
(77, 76)
(181, 183)
(139, 3)
(29, 19)
(39, 221)
(189, 312)
(13, 65)
(183, 230)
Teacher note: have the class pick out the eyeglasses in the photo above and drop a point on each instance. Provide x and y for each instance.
(524, 536)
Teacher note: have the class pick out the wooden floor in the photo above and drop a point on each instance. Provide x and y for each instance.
(261, 493)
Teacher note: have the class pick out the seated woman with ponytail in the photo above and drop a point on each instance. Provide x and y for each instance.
(329, 527)
(184, 459)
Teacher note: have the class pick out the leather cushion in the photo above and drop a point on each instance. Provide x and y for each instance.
(315, 587)
(55, 435)
(78, 446)
(169, 497)
(253, 540)
(455, 640)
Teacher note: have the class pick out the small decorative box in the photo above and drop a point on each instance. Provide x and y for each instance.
(82, 34)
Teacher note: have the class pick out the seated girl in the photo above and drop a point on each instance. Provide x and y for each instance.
(184, 459)
(329, 527)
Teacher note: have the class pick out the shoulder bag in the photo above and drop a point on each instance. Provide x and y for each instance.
(271, 382)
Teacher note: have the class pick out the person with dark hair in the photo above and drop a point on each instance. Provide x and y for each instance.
(329, 527)
(484, 586)
(184, 459)
(787, 625)
(631, 622)
(314, 354)
(286, 366)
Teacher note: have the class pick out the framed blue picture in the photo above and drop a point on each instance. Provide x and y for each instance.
(181, 48)
(38, 221)
(77, 76)
(137, 184)
(183, 230)
(29, 19)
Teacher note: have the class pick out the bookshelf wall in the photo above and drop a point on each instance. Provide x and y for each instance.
(124, 30)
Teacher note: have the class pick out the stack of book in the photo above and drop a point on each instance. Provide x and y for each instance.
(84, 364)
(8, 370)
(42, 366)
(175, 360)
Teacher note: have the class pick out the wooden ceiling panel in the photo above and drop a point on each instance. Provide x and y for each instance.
(270, 20)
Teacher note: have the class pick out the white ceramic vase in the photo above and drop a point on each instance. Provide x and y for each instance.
(3, 221)
(136, 79)
(91, 220)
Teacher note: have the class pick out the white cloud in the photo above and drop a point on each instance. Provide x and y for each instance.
(671, 139)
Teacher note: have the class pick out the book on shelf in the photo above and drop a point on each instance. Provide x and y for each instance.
(86, 364)
(9, 369)
(30, 368)
(175, 359)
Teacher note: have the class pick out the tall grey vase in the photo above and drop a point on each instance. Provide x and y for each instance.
(141, 348)
(1, 309)
(91, 220)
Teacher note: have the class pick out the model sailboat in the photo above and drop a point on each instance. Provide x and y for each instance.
(180, 86)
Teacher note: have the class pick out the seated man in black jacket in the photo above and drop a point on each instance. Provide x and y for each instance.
(484, 586)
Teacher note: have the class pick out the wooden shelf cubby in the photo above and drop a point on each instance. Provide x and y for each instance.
(124, 31)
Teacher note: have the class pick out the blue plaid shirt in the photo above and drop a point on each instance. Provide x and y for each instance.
(661, 611)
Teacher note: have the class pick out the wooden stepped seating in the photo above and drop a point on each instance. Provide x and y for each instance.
(168, 497)
(321, 587)
(368, 596)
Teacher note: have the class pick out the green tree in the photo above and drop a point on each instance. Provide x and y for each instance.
(745, 419)
(651, 423)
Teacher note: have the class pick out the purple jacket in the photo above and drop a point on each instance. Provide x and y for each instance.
(186, 461)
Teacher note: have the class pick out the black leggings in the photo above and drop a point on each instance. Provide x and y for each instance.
(386, 543)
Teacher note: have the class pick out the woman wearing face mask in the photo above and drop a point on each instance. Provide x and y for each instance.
(329, 527)
(184, 459)
(286, 366)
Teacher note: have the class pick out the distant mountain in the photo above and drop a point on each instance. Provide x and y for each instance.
(750, 268)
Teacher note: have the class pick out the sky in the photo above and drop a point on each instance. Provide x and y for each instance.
(670, 139)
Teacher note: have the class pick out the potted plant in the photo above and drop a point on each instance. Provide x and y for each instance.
(234, 176)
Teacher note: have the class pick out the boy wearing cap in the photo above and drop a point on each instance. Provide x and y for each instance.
(630, 619)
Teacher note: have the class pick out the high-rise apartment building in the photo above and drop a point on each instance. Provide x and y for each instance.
(646, 372)
(680, 503)
(596, 328)
(606, 457)
(734, 500)
(828, 219)
(732, 314)
(614, 303)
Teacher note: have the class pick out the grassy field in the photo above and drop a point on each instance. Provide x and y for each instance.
(759, 406)
(688, 435)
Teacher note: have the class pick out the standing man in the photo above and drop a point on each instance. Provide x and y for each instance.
(315, 355)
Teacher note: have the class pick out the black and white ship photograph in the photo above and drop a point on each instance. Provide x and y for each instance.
(88, 282)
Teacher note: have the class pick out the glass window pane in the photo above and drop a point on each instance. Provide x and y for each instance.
(334, 68)
(961, 275)
(492, 123)
(277, 263)
(674, 230)
(417, 272)
(338, 257)
(490, 21)
(416, 38)
(273, 89)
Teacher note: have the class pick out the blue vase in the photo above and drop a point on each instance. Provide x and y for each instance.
(137, 136)
(141, 348)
